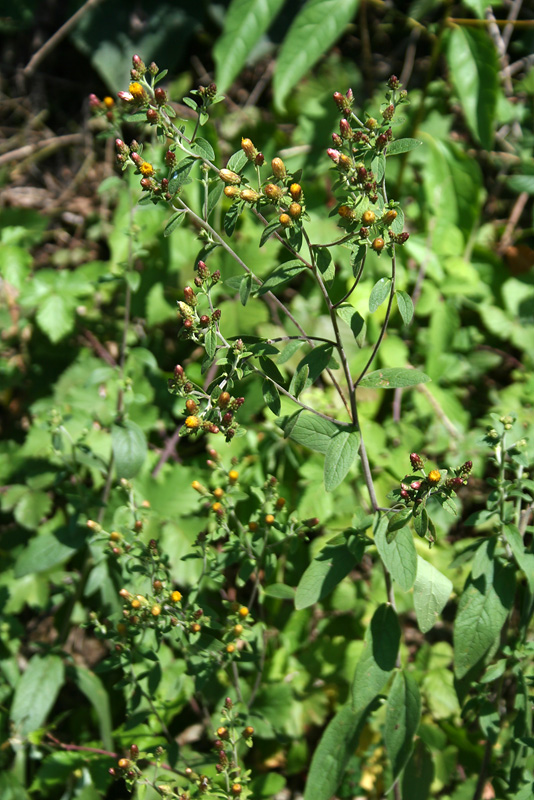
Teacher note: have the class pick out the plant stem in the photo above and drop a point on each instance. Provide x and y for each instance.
(384, 325)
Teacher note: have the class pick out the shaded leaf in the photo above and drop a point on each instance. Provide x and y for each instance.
(340, 455)
(324, 573)
(173, 222)
(354, 320)
(403, 714)
(48, 550)
(129, 448)
(398, 555)
(431, 592)
(93, 688)
(36, 693)
(377, 662)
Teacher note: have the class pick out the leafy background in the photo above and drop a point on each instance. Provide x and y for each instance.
(66, 232)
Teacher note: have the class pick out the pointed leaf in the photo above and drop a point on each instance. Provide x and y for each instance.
(403, 714)
(333, 752)
(379, 292)
(354, 320)
(324, 573)
(313, 365)
(244, 24)
(405, 306)
(282, 274)
(312, 431)
(402, 146)
(93, 688)
(173, 222)
(418, 774)
(129, 448)
(316, 27)
(431, 592)
(36, 693)
(393, 378)
(244, 289)
(271, 397)
(399, 554)
(340, 455)
(377, 662)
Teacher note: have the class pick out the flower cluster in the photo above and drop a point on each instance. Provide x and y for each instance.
(416, 489)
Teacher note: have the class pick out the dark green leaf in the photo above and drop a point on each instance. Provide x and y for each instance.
(231, 217)
(393, 378)
(203, 148)
(340, 455)
(93, 688)
(210, 342)
(36, 693)
(333, 752)
(244, 289)
(431, 592)
(316, 27)
(402, 146)
(325, 264)
(357, 259)
(313, 365)
(377, 662)
(269, 230)
(405, 306)
(180, 174)
(300, 380)
(282, 274)
(244, 24)
(312, 431)
(271, 397)
(482, 612)
(129, 448)
(173, 222)
(355, 321)
(403, 714)
(474, 69)
(237, 161)
(48, 550)
(322, 576)
(214, 195)
(418, 775)
(271, 370)
(398, 555)
(379, 292)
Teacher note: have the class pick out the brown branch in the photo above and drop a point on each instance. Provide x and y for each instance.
(49, 145)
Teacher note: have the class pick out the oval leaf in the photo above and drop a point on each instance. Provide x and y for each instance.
(393, 378)
(403, 714)
(398, 554)
(405, 306)
(379, 292)
(402, 146)
(324, 573)
(315, 28)
(36, 693)
(431, 591)
(377, 662)
(129, 448)
(340, 455)
(312, 431)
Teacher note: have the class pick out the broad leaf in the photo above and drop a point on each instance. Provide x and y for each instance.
(393, 378)
(333, 752)
(354, 320)
(313, 432)
(56, 316)
(49, 550)
(398, 555)
(180, 174)
(271, 396)
(203, 148)
(403, 714)
(282, 274)
(402, 146)
(313, 365)
(340, 455)
(431, 592)
(36, 693)
(379, 292)
(474, 69)
(244, 24)
(129, 448)
(280, 591)
(418, 775)
(93, 688)
(405, 306)
(482, 611)
(324, 573)
(316, 27)
(377, 662)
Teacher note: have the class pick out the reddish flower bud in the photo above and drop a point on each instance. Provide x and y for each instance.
(345, 129)
(94, 102)
(333, 154)
(339, 100)
(393, 82)
(388, 113)
(416, 462)
(259, 161)
(170, 158)
(160, 96)
(152, 115)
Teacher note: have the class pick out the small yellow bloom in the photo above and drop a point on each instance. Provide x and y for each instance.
(147, 169)
(136, 90)
(109, 102)
(243, 612)
(434, 476)
(176, 597)
(192, 423)
(233, 475)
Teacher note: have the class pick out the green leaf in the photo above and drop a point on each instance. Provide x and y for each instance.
(377, 662)
(379, 292)
(180, 174)
(56, 316)
(418, 775)
(431, 592)
(203, 148)
(402, 146)
(93, 688)
(176, 219)
(403, 714)
(322, 576)
(271, 397)
(48, 550)
(244, 289)
(316, 27)
(333, 752)
(210, 342)
(31, 508)
(521, 183)
(405, 306)
(36, 693)
(313, 432)
(482, 611)
(398, 555)
(244, 24)
(15, 263)
(280, 591)
(393, 378)
(269, 230)
(340, 455)
(282, 274)
(524, 559)
(309, 369)
(214, 195)
(231, 217)
(237, 160)
(474, 69)
(129, 448)
(354, 320)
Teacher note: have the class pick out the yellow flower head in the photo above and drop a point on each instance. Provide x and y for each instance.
(109, 102)
(147, 169)
(434, 476)
(137, 91)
